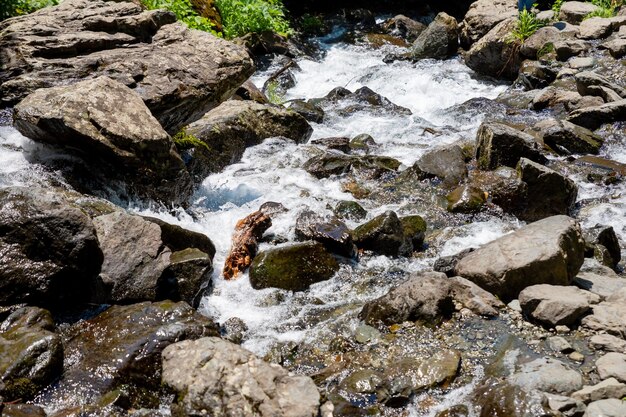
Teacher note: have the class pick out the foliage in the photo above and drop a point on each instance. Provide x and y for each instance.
(311, 24)
(527, 24)
(556, 6)
(273, 93)
(184, 140)
(253, 16)
(184, 11)
(547, 49)
(607, 8)
(10, 8)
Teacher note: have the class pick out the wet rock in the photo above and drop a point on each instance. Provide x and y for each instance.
(365, 334)
(333, 234)
(606, 408)
(234, 330)
(608, 342)
(31, 353)
(552, 97)
(440, 40)
(507, 399)
(536, 74)
(554, 305)
(362, 142)
(49, 253)
(334, 163)
(293, 268)
(211, 374)
(568, 48)
(550, 193)
(414, 229)
(548, 375)
(594, 117)
(616, 47)
(466, 199)
(86, 39)
(550, 251)
(249, 91)
(498, 144)
(609, 315)
(447, 264)
(309, 111)
(455, 411)
(363, 19)
(603, 286)
(538, 40)
(425, 296)
(148, 261)
(22, 410)
(110, 127)
(406, 376)
(493, 55)
(590, 83)
(363, 99)
(123, 346)
(224, 133)
(566, 138)
(595, 28)
(567, 406)
(503, 188)
(559, 344)
(404, 27)
(350, 210)
(575, 11)
(336, 144)
(484, 15)
(445, 162)
(612, 365)
(609, 388)
(383, 234)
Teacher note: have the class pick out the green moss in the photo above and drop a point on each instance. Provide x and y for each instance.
(184, 140)
(185, 12)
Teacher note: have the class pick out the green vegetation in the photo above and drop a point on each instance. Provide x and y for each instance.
(608, 8)
(273, 93)
(527, 24)
(184, 140)
(240, 17)
(556, 6)
(547, 49)
(184, 11)
(10, 8)
(311, 24)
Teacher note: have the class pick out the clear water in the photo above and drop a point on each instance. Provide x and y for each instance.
(272, 171)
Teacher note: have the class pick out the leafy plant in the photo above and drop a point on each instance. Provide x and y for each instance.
(184, 11)
(556, 6)
(527, 24)
(10, 8)
(607, 8)
(184, 140)
(240, 17)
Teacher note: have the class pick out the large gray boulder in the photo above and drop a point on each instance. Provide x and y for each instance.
(575, 11)
(222, 135)
(111, 128)
(31, 353)
(566, 138)
(609, 315)
(550, 251)
(554, 305)
(440, 40)
(179, 73)
(49, 253)
(446, 162)
(547, 375)
(149, 261)
(549, 193)
(611, 407)
(495, 54)
(594, 117)
(122, 347)
(218, 378)
(498, 144)
(484, 15)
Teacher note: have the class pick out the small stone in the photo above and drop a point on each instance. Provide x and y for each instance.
(515, 306)
(560, 329)
(559, 344)
(582, 62)
(577, 357)
(608, 342)
(365, 334)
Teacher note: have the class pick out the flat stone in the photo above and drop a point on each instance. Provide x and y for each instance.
(612, 364)
(609, 315)
(609, 388)
(616, 47)
(606, 408)
(604, 286)
(581, 62)
(595, 28)
(546, 374)
(569, 407)
(559, 344)
(575, 11)
(608, 342)
(594, 117)
(554, 305)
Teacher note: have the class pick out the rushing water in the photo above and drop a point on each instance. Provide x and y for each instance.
(272, 171)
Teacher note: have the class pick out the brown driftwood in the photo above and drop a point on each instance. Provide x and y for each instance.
(245, 243)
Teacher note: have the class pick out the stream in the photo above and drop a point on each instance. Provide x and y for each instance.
(272, 171)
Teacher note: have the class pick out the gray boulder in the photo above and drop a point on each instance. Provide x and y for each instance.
(550, 251)
(384, 234)
(612, 365)
(484, 15)
(146, 260)
(567, 48)
(217, 377)
(549, 193)
(111, 128)
(548, 375)
(608, 342)
(445, 162)
(498, 144)
(86, 39)
(575, 11)
(566, 138)
(594, 117)
(590, 83)
(404, 27)
(616, 47)
(49, 250)
(494, 54)
(606, 408)
(31, 353)
(609, 315)
(601, 285)
(595, 28)
(222, 135)
(554, 305)
(609, 388)
(332, 233)
(440, 40)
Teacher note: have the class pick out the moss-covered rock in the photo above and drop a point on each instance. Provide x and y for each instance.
(383, 234)
(414, 228)
(350, 210)
(466, 199)
(293, 267)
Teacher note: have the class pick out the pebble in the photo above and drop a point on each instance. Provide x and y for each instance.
(577, 357)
